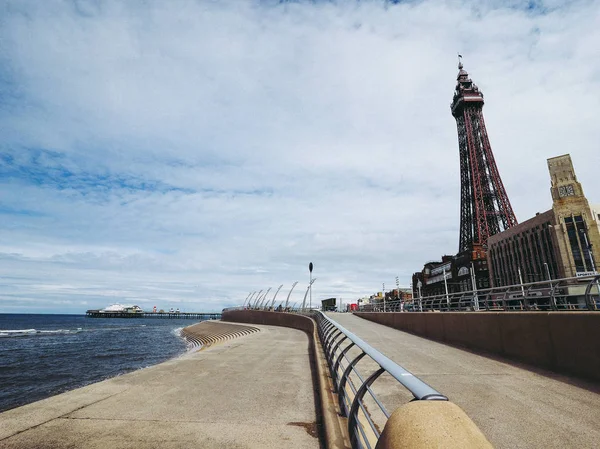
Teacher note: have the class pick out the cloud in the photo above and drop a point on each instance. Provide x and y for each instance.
(187, 154)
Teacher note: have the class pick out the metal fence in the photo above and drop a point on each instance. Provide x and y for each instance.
(344, 351)
(559, 294)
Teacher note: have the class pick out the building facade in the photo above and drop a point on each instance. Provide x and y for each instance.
(562, 242)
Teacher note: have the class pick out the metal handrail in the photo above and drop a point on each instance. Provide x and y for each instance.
(336, 342)
(541, 295)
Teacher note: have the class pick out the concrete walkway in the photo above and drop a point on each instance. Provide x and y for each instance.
(513, 407)
(254, 391)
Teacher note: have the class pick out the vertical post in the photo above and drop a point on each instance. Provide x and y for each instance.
(383, 288)
(592, 261)
(288, 296)
(474, 284)
(256, 300)
(399, 297)
(446, 287)
(419, 284)
(273, 302)
(587, 246)
(521, 282)
(547, 271)
(264, 297)
(310, 268)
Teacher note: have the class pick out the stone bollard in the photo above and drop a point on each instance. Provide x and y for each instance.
(431, 424)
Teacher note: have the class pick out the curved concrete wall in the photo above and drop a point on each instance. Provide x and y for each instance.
(566, 342)
(335, 434)
(416, 425)
(292, 320)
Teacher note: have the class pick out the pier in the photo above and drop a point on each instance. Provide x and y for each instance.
(164, 315)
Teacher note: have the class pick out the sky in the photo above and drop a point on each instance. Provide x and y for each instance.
(186, 153)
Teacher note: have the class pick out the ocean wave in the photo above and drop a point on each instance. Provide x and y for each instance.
(35, 332)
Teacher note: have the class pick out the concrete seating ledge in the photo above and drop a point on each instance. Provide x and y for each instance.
(208, 333)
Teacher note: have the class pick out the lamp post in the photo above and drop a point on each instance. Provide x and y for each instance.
(310, 268)
(446, 287)
(587, 246)
(257, 298)
(419, 285)
(474, 284)
(547, 271)
(273, 302)
(288, 296)
(264, 297)
(383, 288)
(521, 282)
(249, 295)
(399, 296)
(307, 290)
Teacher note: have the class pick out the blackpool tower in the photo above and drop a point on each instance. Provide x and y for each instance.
(484, 206)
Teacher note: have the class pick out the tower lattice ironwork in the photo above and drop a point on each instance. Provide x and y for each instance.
(484, 206)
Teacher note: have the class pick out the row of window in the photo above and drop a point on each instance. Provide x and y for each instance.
(532, 252)
(579, 242)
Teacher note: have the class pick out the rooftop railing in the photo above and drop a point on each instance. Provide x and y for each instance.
(344, 351)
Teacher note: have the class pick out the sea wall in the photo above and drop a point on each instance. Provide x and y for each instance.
(565, 342)
(416, 425)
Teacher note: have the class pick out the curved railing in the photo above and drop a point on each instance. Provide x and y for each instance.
(344, 351)
(559, 294)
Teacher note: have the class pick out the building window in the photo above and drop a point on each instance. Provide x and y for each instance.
(577, 234)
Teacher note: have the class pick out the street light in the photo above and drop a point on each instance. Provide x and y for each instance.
(249, 295)
(474, 285)
(399, 297)
(307, 290)
(310, 268)
(383, 288)
(264, 297)
(588, 246)
(521, 282)
(257, 298)
(288, 296)
(273, 302)
(446, 287)
(547, 271)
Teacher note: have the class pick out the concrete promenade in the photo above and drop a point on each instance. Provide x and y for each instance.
(513, 407)
(252, 391)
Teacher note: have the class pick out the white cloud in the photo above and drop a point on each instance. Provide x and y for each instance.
(189, 153)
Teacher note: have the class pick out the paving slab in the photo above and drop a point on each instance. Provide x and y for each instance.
(513, 406)
(254, 391)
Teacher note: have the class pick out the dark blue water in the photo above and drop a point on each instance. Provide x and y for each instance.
(55, 353)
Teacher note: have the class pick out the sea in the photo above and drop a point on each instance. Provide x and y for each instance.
(45, 355)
